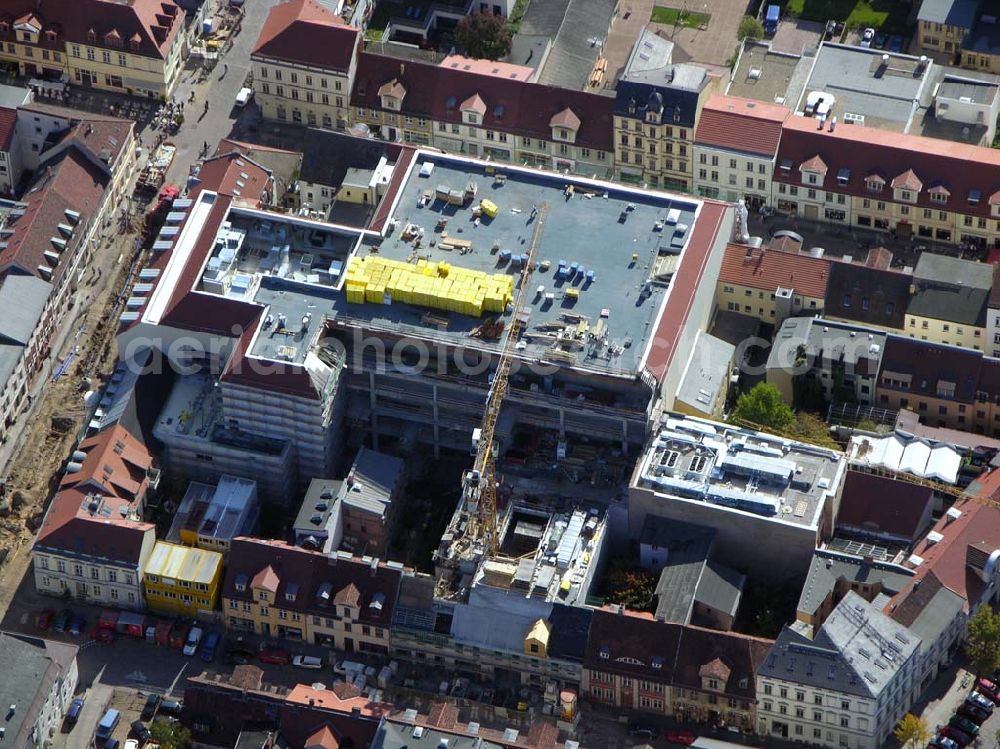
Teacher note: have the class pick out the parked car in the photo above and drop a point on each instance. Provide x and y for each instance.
(275, 656)
(78, 624)
(131, 744)
(989, 689)
(880, 40)
(107, 725)
(141, 732)
(642, 729)
(73, 714)
(178, 635)
(973, 712)
(680, 737)
(959, 737)
(45, 619)
(149, 709)
(307, 661)
(240, 656)
(62, 621)
(964, 725)
(171, 707)
(210, 646)
(895, 43)
(980, 700)
(867, 36)
(193, 641)
(942, 742)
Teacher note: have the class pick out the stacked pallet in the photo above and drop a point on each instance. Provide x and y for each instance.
(439, 285)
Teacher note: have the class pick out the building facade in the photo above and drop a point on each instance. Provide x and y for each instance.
(129, 48)
(304, 64)
(40, 679)
(771, 285)
(181, 580)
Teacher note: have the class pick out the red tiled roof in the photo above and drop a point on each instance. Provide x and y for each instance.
(116, 465)
(8, 121)
(908, 180)
(738, 124)
(266, 579)
(864, 152)
(566, 118)
(674, 316)
(815, 164)
(152, 23)
(978, 526)
(323, 738)
(515, 106)
(303, 31)
(885, 505)
(767, 270)
(233, 174)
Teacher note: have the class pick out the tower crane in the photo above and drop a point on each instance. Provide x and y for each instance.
(480, 484)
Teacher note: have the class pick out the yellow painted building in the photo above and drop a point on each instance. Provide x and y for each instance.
(181, 580)
(133, 48)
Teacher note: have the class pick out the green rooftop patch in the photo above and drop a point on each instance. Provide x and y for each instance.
(674, 17)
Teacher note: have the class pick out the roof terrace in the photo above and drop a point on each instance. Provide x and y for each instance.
(739, 469)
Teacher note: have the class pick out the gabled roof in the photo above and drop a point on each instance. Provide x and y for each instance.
(324, 738)
(474, 103)
(815, 164)
(303, 31)
(313, 579)
(116, 464)
(515, 106)
(743, 125)
(908, 180)
(872, 296)
(392, 88)
(768, 270)
(862, 152)
(958, 13)
(927, 363)
(566, 118)
(266, 579)
(238, 176)
(153, 24)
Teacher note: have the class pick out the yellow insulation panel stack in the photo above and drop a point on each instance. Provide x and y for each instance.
(427, 284)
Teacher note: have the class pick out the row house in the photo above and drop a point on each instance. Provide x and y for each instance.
(771, 285)
(906, 185)
(657, 106)
(483, 115)
(847, 687)
(304, 64)
(634, 662)
(949, 299)
(272, 589)
(93, 544)
(964, 30)
(130, 48)
(735, 146)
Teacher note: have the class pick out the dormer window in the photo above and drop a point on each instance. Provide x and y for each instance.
(241, 583)
(4, 27)
(91, 35)
(473, 110)
(907, 186)
(813, 171)
(974, 197)
(874, 183)
(565, 125)
(653, 118)
(939, 197)
(391, 95)
(605, 652)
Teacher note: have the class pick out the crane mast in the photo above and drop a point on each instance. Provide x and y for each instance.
(480, 484)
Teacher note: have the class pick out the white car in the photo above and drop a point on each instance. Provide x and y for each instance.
(307, 661)
(867, 36)
(193, 641)
(131, 744)
(244, 96)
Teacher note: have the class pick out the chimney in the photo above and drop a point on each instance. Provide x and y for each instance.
(355, 712)
(402, 70)
(833, 124)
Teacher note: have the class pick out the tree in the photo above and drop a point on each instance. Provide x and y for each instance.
(170, 735)
(911, 732)
(483, 36)
(983, 643)
(750, 28)
(763, 406)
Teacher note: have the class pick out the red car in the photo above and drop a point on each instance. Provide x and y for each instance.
(988, 689)
(44, 620)
(680, 737)
(102, 634)
(959, 737)
(275, 656)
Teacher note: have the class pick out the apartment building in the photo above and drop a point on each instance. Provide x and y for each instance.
(657, 106)
(181, 580)
(40, 680)
(276, 590)
(875, 297)
(992, 339)
(906, 185)
(771, 285)
(131, 48)
(634, 662)
(211, 516)
(949, 301)
(735, 145)
(477, 113)
(369, 501)
(942, 25)
(93, 544)
(847, 687)
(814, 357)
(304, 64)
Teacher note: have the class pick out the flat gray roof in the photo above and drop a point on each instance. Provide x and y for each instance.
(705, 379)
(572, 25)
(887, 96)
(768, 76)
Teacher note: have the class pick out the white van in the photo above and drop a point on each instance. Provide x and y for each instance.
(307, 661)
(244, 96)
(193, 640)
